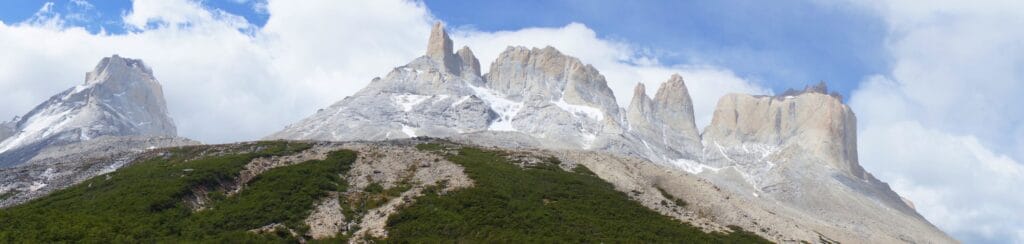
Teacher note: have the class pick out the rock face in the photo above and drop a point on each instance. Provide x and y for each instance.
(800, 149)
(816, 123)
(792, 157)
(667, 119)
(120, 97)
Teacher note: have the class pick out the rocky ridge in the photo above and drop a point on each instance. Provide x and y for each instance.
(794, 154)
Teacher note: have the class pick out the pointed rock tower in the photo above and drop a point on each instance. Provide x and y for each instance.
(439, 49)
(666, 120)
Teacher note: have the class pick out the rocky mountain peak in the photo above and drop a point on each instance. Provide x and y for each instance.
(469, 61)
(118, 66)
(545, 74)
(639, 91)
(667, 119)
(639, 112)
(439, 48)
(673, 96)
(120, 97)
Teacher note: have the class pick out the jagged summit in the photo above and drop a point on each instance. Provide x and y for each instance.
(119, 97)
(667, 119)
(469, 61)
(439, 49)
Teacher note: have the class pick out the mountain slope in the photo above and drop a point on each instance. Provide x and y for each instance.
(403, 191)
(120, 97)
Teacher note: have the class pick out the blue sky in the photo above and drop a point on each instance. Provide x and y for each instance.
(934, 84)
(780, 45)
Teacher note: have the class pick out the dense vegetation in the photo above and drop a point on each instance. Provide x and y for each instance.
(540, 203)
(149, 201)
(145, 202)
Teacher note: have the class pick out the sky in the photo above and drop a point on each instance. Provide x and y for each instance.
(935, 85)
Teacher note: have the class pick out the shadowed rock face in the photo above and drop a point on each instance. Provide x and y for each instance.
(120, 97)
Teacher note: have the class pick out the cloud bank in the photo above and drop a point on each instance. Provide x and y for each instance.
(944, 126)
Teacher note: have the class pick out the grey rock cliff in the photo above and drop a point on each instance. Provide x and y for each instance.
(799, 149)
(120, 97)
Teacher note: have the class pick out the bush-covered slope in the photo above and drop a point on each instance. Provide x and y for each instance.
(145, 202)
(149, 201)
(541, 203)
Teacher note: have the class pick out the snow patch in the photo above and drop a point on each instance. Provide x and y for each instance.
(588, 140)
(410, 131)
(693, 167)
(37, 127)
(506, 109)
(408, 101)
(577, 110)
(460, 101)
(36, 186)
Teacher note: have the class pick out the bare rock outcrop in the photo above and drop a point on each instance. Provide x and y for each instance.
(59, 167)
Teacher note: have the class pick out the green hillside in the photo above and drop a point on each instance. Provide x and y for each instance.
(147, 202)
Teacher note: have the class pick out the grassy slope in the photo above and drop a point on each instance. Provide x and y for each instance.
(144, 202)
(538, 204)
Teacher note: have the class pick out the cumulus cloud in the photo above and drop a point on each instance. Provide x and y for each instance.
(228, 80)
(944, 125)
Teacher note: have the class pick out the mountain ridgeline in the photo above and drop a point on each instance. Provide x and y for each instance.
(792, 155)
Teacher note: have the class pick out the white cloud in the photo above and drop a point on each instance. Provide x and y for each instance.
(954, 181)
(226, 80)
(944, 125)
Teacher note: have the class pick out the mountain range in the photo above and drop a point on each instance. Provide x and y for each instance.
(783, 167)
